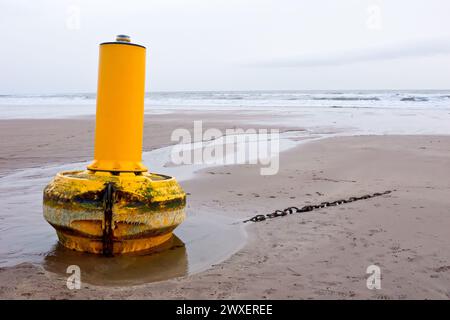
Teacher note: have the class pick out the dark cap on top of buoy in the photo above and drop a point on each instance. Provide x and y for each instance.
(122, 38)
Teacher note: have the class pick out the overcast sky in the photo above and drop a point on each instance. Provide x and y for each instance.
(52, 46)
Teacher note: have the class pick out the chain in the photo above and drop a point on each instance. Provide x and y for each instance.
(307, 208)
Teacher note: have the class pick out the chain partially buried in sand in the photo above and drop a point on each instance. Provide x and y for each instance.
(307, 208)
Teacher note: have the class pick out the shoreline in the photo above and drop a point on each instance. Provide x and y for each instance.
(322, 254)
(29, 143)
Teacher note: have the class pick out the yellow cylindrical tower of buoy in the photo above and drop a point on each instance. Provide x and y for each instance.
(120, 107)
(116, 206)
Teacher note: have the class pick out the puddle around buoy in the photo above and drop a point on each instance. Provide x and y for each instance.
(202, 240)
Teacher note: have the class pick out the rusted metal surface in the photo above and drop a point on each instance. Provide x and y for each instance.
(112, 214)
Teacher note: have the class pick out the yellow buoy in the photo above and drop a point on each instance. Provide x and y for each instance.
(116, 206)
(120, 108)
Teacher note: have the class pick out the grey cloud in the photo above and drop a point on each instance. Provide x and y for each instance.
(416, 49)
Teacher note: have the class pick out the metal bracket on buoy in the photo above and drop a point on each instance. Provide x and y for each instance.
(108, 221)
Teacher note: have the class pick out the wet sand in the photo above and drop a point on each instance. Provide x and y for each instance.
(27, 143)
(321, 254)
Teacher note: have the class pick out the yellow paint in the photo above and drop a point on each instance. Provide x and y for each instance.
(120, 108)
(83, 244)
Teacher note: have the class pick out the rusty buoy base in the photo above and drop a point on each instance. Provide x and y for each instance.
(113, 213)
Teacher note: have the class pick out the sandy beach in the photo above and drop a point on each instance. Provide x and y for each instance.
(317, 255)
(225, 157)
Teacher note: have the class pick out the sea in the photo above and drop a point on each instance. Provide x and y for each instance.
(353, 111)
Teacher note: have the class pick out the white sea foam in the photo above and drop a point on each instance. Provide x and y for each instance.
(248, 100)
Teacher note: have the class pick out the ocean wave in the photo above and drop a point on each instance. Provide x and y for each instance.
(60, 105)
(414, 99)
(347, 98)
